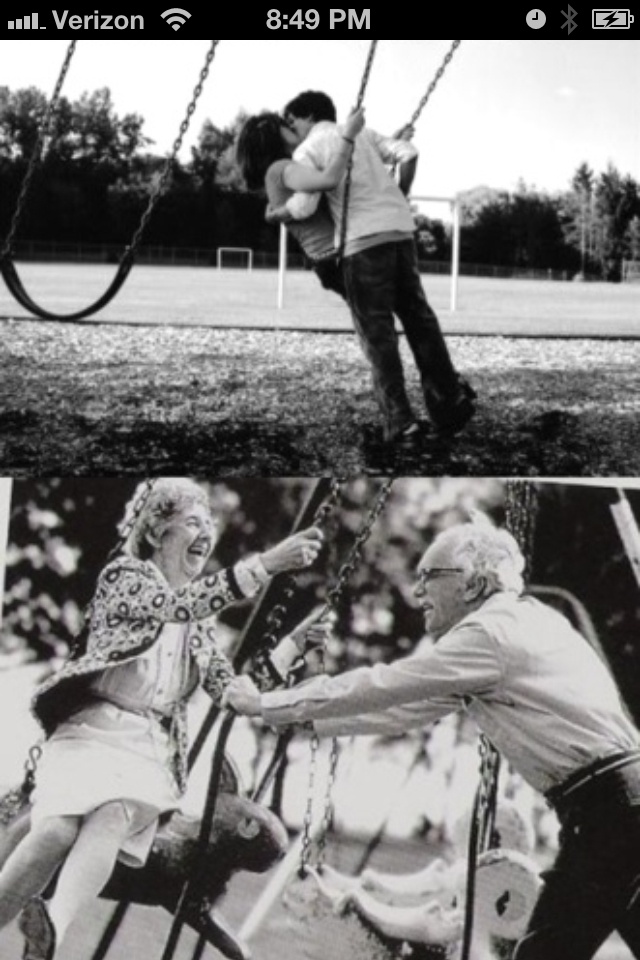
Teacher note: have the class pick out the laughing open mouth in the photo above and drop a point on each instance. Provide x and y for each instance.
(200, 548)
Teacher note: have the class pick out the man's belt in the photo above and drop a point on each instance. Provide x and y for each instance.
(585, 781)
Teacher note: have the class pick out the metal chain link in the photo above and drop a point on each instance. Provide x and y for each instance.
(136, 511)
(327, 817)
(77, 646)
(434, 83)
(35, 155)
(521, 508)
(276, 617)
(31, 764)
(161, 182)
(347, 183)
(361, 538)
(307, 821)
(333, 594)
(12, 802)
(487, 791)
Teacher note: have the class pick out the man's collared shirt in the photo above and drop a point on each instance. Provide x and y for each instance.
(531, 682)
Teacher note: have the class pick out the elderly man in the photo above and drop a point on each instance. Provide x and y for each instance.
(544, 698)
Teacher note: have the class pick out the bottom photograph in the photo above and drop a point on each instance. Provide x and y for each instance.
(364, 718)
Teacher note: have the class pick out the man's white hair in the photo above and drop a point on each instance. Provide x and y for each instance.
(485, 550)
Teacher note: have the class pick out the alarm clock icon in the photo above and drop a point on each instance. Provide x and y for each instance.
(536, 19)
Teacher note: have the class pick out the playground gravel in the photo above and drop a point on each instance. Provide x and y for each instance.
(124, 400)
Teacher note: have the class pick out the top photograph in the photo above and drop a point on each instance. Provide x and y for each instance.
(306, 257)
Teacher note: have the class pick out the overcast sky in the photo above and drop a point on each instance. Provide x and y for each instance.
(505, 110)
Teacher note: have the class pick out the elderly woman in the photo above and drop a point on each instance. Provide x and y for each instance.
(543, 696)
(115, 714)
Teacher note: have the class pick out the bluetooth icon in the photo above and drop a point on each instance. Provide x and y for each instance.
(570, 22)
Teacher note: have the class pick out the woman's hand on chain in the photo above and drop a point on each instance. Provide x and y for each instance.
(294, 553)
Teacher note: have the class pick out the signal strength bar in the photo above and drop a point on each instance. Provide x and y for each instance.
(25, 23)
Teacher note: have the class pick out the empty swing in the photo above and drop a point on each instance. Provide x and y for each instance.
(7, 265)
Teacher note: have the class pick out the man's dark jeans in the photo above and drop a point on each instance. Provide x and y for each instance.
(383, 281)
(593, 887)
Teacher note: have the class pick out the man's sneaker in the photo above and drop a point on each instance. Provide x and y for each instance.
(454, 417)
(39, 933)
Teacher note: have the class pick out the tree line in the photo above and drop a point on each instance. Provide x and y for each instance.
(98, 168)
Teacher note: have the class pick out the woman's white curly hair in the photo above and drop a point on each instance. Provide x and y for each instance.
(482, 549)
(151, 509)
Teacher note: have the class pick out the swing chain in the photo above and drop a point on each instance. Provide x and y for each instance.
(333, 594)
(139, 503)
(348, 175)
(166, 172)
(487, 792)
(275, 620)
(35, 154)
(12, 802)
(31, 765)
(355, 556)
(367, 72)
(327, 818)
(305, 850)
(521, 505)
(434, 83)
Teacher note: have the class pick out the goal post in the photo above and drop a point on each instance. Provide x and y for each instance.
(454, 204)
(631, 271)
(234, 257)
(6, 484)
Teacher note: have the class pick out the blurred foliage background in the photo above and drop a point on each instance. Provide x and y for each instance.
(63, 530)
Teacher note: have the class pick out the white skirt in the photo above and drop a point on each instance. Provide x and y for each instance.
(104, 754)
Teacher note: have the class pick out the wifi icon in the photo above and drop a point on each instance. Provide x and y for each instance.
(175, 17)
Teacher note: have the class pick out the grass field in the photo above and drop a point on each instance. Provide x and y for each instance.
(188, 390)
(208, 297)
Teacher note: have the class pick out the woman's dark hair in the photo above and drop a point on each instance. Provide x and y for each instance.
(259, 145)
(312, 103)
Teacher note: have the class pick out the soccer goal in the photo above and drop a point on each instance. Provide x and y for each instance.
(631, 271)
(237, 258)
(5, 507)
(454, 205)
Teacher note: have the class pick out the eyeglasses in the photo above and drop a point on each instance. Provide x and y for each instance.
(432, 573)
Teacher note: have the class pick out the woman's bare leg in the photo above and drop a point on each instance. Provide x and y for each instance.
(33, 862)
(89, 864)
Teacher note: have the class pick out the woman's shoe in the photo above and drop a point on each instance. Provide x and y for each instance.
(38, 930)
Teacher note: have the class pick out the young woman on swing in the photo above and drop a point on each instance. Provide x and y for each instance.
(264, 150)
(378, 274)
(115, 715)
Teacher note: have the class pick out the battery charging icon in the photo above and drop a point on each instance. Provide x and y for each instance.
(611, 19)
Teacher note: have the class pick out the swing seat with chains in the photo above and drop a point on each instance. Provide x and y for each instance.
(7, 266)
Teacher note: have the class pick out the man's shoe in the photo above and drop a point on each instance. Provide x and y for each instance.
(39, 933)
(455, 417)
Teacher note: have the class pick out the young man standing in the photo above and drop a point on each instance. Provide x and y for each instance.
(381, 274)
